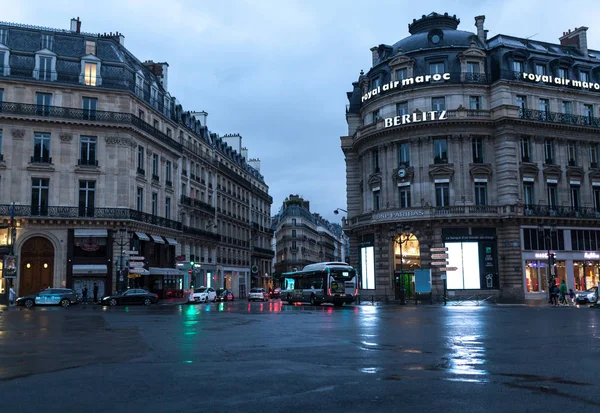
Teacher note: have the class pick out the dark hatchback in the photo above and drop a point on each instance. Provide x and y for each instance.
(224, 295)
(50, 296)
(131, 297)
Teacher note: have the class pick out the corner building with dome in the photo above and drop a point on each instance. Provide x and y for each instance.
(485, 147)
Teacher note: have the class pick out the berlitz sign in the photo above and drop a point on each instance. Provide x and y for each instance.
(394, 84)
(416, 117)
(560, 81)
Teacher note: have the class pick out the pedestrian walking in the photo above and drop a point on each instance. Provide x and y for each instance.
(563, 293)
(572, 296)
(84, 292)
(12, 296)
(95, 292)
(554, 295)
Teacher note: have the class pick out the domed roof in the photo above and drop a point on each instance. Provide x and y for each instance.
(426, 40)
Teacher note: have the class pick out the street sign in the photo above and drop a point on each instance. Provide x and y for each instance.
(137, 258)
(130, 252)
(443, 276)
(439, 256)
(439, 263)
(137, 270)
(190, 272)
(180, 258)
(442, 249)
(448, 269)
(135, 264)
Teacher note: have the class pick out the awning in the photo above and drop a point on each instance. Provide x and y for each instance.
(99, 233)
(142, 236)
(158, 239)
(164, 271)
(90, 269)
(171, 241)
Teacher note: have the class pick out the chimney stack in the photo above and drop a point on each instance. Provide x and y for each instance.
(75, 25)
(375, 55)
(577, 38)
(481, 33)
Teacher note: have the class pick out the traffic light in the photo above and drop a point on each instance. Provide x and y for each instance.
(551, 260)
(192, 264)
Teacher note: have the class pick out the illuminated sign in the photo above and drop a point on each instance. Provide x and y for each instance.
(592, 256)
(543, 255)
(394, 84)
(416, 117)
(399, 214)
(560, 81)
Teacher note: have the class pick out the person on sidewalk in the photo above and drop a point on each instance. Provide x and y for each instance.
(12, 296)
(84, 292)
(554, 295)
(563, 293)
(95, 291)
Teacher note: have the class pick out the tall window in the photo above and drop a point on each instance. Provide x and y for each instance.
(154, 203)
(474, 102)
(552, 195)
(87, 151)
(376, 199)
(293, 233)
(572, 153)
(41, 148)
(39, 196)
(140, 199)
(47, 40)
(442, 194)
(472, 67)
(404, 196)
(575, 196)
(517, 66)
(1, 145)
(375, 83)
(140, 160)
(294, 221)
(480, 193)
(528, 194)
(90, 47)
(168, 173)
(567, 107)
(438, 103)
(562, 73)
(440, 150)
(596, 191)
(168, 208)
(155, 166)
(540, 69)
(3, 36)
(477, 147)
(588, 112)
(522, 104)
(549, 152)
(87, 197)
(43, 102)
(436, 68)
(584, 76)
(594, 155)
(1, 93)
(401, 74)
(89, 74)
(401, 108)
(45, 71)
(89, 106)
(375, 157)
(375, 116)
(404, 153)
(525, 149)
(544, 108)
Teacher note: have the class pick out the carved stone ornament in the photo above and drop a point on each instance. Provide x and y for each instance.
(121, 141)
(18, 134)
(66, 137)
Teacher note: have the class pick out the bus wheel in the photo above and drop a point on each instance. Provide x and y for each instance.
(313, 301)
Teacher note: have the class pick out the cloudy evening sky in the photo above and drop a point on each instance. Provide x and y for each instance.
(277, 71)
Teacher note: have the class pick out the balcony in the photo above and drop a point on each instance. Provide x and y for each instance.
(141, 171)
(186, 200)
(192, 176)
(169, 184)
(101, 117)
(41, 159)
(561, 118)
(201, 233)
(68, 212)
(155, 178)
(87, 162)
(184, 172)
(560, 211)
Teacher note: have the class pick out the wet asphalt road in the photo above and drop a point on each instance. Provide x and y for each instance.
(271, 357)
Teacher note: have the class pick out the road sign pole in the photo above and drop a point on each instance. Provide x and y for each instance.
(445, 288)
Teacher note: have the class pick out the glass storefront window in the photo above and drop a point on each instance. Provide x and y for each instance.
(561, 273)
(535, 276)
(585, 274)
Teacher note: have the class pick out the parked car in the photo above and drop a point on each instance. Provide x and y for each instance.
(50, 296)
(224, 295)
(132, 296)
(276, 293)
(258, 294)
(203, 295)
(589, 296)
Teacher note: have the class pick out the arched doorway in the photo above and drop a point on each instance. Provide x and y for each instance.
(407, 258)
(37, 265)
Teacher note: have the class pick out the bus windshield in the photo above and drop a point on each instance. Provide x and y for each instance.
(337, 286)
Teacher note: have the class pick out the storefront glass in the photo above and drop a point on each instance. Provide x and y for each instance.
(585, 274)
(535, 276)
(561, 273)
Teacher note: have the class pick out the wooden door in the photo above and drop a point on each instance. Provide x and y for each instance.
(37, 265)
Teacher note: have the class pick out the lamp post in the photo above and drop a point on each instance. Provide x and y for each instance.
(121, 242)
(337, 210)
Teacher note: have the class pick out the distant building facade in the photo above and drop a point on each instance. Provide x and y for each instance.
(486, 147)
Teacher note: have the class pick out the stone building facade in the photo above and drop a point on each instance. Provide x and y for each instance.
(100, 162)
(304, 237)
(485, 147)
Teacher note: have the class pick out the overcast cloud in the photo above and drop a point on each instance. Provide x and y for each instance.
(277, 71)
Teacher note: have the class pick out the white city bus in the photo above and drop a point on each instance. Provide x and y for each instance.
(323, 282)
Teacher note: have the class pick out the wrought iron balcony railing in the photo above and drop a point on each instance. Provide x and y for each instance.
(202, 233)
(556, 117)
(560, 211)
(87, 162)
(186, 200)
(265, 251)
(60, 112)
(29, 211)
(41, 159)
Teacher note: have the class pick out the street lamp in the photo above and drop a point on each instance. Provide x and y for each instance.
(403, 238)
(337, 210)
(550, 257)
(122, 242)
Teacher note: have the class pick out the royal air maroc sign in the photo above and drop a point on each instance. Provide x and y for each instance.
(395, 84)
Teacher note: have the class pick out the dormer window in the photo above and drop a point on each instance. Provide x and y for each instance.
(562, 73)
(3, 36)
(45, 65)
(375, 83)
(4, 55)
(89, 74)
(90, 47)
(47, 41)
